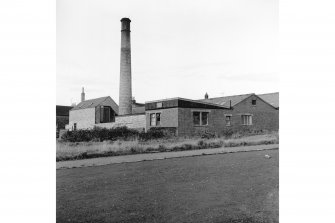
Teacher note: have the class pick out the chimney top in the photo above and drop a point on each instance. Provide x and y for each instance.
(82, 94)
(206, 96)
(125, 19)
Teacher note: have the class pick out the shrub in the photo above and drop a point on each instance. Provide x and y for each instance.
(119, 133)
(202, 144)
(162, 148)
(154, 133)
(207, 134)
(100, 134)
(228, 133)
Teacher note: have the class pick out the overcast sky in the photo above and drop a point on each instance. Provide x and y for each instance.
(180, 48)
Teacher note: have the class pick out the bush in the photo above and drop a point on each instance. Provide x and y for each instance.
(201, 144)
(228, 133)
(154, 133)
(100, 134)
(207, 134)
(119, 133)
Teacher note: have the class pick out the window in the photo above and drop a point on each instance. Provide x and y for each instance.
(158, 119)
(106, 114)
(74, 126)
(200, 118)
(106, 117)
(228, 120)
(159, 104)
(204, 118)
(246, 119)
(155, 119)
(196, 118)
(253, 102)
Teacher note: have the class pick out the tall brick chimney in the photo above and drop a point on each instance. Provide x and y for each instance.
(82, 94)
(125, 94)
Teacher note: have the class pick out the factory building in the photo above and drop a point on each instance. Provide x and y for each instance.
(181, 116)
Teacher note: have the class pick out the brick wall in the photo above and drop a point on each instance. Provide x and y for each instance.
(169, 117)
(264, 116)
(216, 122)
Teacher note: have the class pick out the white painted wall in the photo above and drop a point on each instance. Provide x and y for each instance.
(85, 118)
(131, 121)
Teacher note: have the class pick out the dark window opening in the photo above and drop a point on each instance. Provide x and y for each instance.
(106, 114)
(200, 118)
(204, 118)
(158, 119)
(74, 126)
(196, 118)
(253, 102)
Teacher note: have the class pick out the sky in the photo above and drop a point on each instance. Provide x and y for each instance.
(180, 48)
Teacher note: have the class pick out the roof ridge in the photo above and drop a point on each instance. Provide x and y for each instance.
(277, 92)
(95, 98)
(229, 96)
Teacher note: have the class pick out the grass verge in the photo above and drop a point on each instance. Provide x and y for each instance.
(85, 150)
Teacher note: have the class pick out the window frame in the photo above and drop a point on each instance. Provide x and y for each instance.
(230, 117)
(200, 117)
(248, 119)
(154, 114)
(106, 117)
(252, 102)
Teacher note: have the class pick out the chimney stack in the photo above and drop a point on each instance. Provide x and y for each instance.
(125, 94)
(82, 94)
(206, 96)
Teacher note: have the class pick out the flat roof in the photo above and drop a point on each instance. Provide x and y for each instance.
(185, 99)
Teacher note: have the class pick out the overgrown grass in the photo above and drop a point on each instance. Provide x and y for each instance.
(85, 150)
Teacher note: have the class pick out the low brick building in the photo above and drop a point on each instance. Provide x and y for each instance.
(250, 111)
(181, 116)
(184, 116)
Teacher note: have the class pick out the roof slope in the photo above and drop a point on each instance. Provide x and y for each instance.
(62, 110)
(92, 103)
(271, 98)
(225, 101)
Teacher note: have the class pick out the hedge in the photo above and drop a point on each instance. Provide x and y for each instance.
(118, 133)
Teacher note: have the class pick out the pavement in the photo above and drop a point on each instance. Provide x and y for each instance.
(157, 156)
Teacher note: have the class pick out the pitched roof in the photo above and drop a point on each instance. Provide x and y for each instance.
(271, 98)
(92, 103)
(62, 110)
(225, 101)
